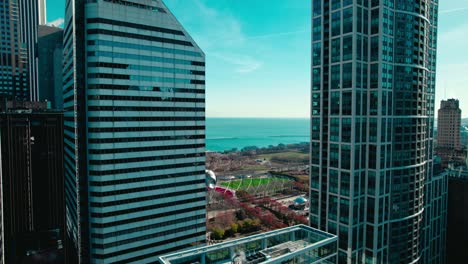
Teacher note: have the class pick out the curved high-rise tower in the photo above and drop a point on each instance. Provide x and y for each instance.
(373, 82)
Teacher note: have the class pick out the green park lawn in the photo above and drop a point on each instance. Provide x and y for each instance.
(246, 183)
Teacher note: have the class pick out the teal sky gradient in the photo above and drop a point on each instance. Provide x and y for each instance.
(258, 53)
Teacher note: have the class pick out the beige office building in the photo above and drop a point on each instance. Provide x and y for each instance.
(449, 123)
(42, 12)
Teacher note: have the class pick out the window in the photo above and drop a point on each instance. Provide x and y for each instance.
(347, 75)
(335, 103)
(336, 23)
(317, 30)
(335, 129)
(375, 48)
(316, 128)
(348, 20)
(317, 54)
(317, 7)
(335, 77)
(346, 156)
(347, 48)
(334, 155)
(336, 4)
(375, 21)
(316, 78)
(336, 50)
(347, 103)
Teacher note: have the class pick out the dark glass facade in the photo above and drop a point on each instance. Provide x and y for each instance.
(50, 57)
(373, 81)
(457, 229)
(32, 187)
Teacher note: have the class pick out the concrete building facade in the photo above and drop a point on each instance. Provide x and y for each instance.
(42, 12)
(449, 124)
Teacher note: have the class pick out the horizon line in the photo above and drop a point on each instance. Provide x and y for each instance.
(280, 117)
(265, 117)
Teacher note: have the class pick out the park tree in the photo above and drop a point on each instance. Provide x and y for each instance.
(217, 233)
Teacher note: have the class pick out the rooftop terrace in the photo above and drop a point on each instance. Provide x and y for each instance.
(297, 244)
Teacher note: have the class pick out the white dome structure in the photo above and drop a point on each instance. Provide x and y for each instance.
(210, 179)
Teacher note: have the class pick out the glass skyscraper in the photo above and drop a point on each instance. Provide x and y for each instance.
(18, 48)
(134, 101)
(373, 82)
(436, 216)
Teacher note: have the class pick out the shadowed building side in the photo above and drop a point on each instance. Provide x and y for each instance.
(50, 54)
(32, 181)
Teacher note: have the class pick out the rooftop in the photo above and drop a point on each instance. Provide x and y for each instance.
(298, 242)
(460, 172)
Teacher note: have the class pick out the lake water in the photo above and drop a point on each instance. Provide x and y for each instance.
(228, 133)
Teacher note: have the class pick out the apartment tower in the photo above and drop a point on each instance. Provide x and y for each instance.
(373, 81)
(448, 125)
(134, 101)
(18, 58)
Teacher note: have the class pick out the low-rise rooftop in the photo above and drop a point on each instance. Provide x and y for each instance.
(300, 243)
(460, 172)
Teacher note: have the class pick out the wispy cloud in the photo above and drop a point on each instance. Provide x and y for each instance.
(217, 27)
(279, 34)
(220, 34)
(243, 63)
(453, 10)
(56, 23)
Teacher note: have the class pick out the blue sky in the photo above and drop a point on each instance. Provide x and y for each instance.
(258, 53)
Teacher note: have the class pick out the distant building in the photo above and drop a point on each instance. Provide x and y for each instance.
(50, 54)
(449, 124)
(134, 102)
(297, 244)
(464, 137)
(18, 52)
(449, 133)
(42, 12)
(457, 225)
(32, 186)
